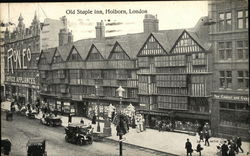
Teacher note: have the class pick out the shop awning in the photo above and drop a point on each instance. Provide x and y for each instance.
(154, 112)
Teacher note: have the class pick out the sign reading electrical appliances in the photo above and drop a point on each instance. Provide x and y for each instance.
(18, 58)
(26, 80)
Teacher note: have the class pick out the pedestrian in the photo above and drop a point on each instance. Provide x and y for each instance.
(239, 143)
(231, 151)
(69, 118)
(12, 107)
(133, 122)
(199, 149)
(55, 112)
(201, 136)
(113, 115)
(94, 119)
(206, 138)
(82, 122)
(233, 146)
(188, 148)
(224, 149)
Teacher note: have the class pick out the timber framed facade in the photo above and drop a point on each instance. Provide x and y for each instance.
(163, 72)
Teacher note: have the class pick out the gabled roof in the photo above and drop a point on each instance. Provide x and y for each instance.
(167, 38)
(48, 54)
(104, 48)
(202, 43)
(123, 45)
(71, 51)
(132, 43)
(64, 51)
(83, 47)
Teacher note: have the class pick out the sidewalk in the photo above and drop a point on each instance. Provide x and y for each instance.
(169, 142)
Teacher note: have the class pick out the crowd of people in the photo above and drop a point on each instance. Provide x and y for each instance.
(231, 147)
(225, 148)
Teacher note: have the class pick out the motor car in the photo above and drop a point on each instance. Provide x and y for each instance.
(51, 121)
(5, 146)
(79, 134)
(36, 147)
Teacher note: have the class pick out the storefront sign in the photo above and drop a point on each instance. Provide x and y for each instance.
(142, 104)
(231, 97)
(18, 58)
(24, 80)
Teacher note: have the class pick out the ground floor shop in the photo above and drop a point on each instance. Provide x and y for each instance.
(87, 107)
(230, 115)
(22, 93)
(174, 120)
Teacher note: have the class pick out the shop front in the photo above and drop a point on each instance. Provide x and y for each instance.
(232, 116)
(80, 108)
(183, 121)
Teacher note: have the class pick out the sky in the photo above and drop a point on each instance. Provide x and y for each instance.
(171, 15)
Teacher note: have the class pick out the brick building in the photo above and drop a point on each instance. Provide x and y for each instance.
(22, 48)
(229, 36)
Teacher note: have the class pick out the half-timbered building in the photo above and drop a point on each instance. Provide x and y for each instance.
(164, 73)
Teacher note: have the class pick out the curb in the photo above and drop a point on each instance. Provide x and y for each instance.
(141, 147)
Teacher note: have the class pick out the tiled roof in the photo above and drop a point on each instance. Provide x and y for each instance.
(64, 51)
(83, 47)
(167, 38)
(131, 43)
(48, 54)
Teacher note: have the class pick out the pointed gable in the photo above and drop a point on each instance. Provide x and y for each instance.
(94, 54)
(46, 56)
(151, 47)
(57, 58)
(186, 44)
(42, 59)
(74, 55)
(118, 53)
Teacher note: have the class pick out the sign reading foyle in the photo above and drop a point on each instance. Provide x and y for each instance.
(19, 58)
(231, 97)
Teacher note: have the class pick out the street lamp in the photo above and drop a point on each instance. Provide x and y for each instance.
(98, 109)
(120, 91)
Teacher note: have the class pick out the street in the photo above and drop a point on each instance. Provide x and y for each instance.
(21, 129)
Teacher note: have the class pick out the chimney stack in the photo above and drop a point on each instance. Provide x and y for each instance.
(150, 23)
(70, 37)
(63, 37)
(100, 30)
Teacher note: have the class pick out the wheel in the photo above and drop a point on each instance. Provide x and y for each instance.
(50, 124)
(80, 142)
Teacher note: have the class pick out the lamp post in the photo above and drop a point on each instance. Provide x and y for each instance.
(120, 91)
(98, 109)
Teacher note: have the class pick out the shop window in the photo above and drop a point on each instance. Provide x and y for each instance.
(223, 105)
(242, 19)
(231, 105)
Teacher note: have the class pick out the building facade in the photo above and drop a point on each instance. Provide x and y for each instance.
(2, 28)
(164, 73)
(174, 76)
(50, 30)
(22, 48)
(229, 36)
